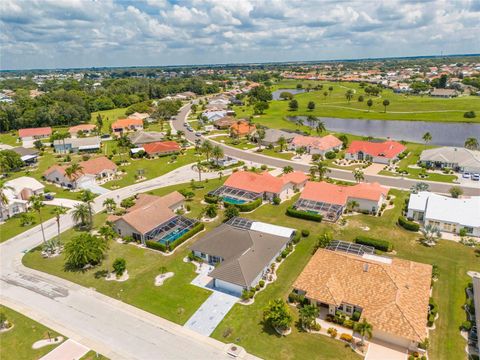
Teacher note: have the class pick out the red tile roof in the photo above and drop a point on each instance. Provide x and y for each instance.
(92, 167)
(125, 123)
(264, 182)
(243, 128)
(161, 147)
(42, 131)
(389, 149)
(81, 127)
(339, 194)
(295, 177)
(324, 143)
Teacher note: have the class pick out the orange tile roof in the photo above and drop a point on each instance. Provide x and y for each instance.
(322, 143)
(389, 149)
(264, 182)
(394, 296)
(340, 194)
(159, 147)
(243, 128)
(81, 127)
(91, 167)
(125, 123)
(41, 131)
(295, 177)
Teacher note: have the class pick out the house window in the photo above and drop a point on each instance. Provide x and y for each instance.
(348, 309)
(136, 236)
(468, 229)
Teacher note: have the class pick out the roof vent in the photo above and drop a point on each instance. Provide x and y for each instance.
(365, 267)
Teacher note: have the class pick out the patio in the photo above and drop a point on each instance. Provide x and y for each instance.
(330, 212)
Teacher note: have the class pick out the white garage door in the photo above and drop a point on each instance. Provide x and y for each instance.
(392, 339)
(228, 287)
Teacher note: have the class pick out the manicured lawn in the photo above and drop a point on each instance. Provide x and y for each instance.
(12, 227)
(275, 152)
(402, 107)
(92, 355)
(453, 261)
(176, 300)
(9, 138)
(227, 140)
(17, 342)
(109, 116)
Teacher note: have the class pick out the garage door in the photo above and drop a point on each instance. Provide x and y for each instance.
(228, 287)
(392, 339)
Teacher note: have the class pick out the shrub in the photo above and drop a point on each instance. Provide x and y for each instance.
(316, 326)
(330, 155)
(378, 244)
(211, 199)
(408, 225)
(278, 259)
(249, 206)
(466, 325)
(119, 266)
(356, 316)
(431, 320)
(303, 215)
(332, 332)
(261, 283)
(156, 246)
(305, 232)
(195, 229)
(263, 167)
(346, 337)
(128, 202)
(284, 253)
(348, 324)
(296, 237)
(276, 200)
(469, 115)
(257, 288)
(245, 295)
(411, 357)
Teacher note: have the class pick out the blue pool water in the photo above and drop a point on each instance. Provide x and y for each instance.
(231, 200)
(174, 235)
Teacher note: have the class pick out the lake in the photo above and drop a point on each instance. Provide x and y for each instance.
(448, 134)
(276, 94)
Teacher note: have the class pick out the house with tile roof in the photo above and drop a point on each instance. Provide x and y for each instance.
(247, 185)
(378, 152)
(330, 200)
(31, 134)
(96, 170)
(17, 192)
(391, 294)
(122, 126)
(86, 129)
(315, 144)
(161, 148)
(242, 128)
(152, 217)
(241, 251)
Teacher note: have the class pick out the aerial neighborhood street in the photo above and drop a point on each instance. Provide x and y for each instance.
(253, 207)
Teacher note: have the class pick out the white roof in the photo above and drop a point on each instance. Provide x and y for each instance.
(463, 211)
(461, 156)
(418, 201)
(272, 229)
(23, 182)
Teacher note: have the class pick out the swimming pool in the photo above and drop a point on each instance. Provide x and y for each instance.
(234, 201)
(174, 235)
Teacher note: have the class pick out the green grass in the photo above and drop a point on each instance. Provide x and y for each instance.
(402, 107)
(12, 227)
(92, 355)
(109, 116)
(275, 152)
(17, 342)
(227, 140)
(176, 300)
(9, 138)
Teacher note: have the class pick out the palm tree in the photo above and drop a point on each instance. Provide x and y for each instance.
(349, 94)
(322, 169)
(308, 314)
(427, 137)
(72, 171)
(36, 203)
(206, 148)
(217, 153)
(3, 196)
(107, 233)
(320, 127)
(287, 169)
(313, 172)
(282, 142)
(199, 167)
(430, 234)
(81, 214)
(110, 204)
(352, 205)
(260, 137)
(58, 212)
(87, 196)
(385, 104)
(471, 143)
(365, 329)
(358, 175)
(311, 120)
(330, 89)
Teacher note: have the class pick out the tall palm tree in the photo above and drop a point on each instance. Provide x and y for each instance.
(206, 148)
(322, 169)
(199, 167)
(81, 214)
(72, 171)
(3, 195)
(282, 142)
(352, 205)
(349, 94)
(110, 204)
(107, 233)
(287, 169)
(427, 137)
(312, 120)
(385, 103)
(87, 196)
(430, 234)
(471, 143)
(217, 153)
(320, 127)
(358, 175)
(58, 212)
(260, 137)
(365, 329)
(36, 203)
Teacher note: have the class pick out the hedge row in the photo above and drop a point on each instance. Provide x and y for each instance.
(156, 245)
(303, 214)
(408, 225)
(248, 206)
(211, 199)
(378, 244)
(195, 229)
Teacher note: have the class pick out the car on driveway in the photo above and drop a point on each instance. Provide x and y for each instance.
(466, 175)
(49, 196)
(198, 134)
(475, 177)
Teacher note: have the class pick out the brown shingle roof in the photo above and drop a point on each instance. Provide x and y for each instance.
(394, 296)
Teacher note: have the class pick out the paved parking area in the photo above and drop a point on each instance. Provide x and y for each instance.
(378, 350)
(69, 350)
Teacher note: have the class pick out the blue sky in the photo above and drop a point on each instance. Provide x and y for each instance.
(84, 33)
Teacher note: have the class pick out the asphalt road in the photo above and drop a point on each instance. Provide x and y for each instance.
(113, 328)
(399, 183)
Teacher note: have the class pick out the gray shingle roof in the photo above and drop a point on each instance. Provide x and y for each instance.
(145, 137)
(461, 156)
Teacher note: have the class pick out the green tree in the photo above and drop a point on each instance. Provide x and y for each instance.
(455, 192)
(285, 95)
(26, 219)
(369, 104)
(430, 234)
(427, 137)
(471, 143)
(365, 329)
(107, 233)
(58, 212)
(311, 105)
(385, 103)
(84, 249)
(3, 193)
(330, 90)
(119, 266)
(358, 175)
(211, 210)
(260, 136)
(231, 211)
(344, 139)
(81, 215)
(37, 204)
(206, 148)
(73, 171)
(110, 204)
(287, 169)
(277, 314)
(308, 314)
(217, 153)
(199, 167)
(325, 94)
(282, 142)
(87, 196)
(349, 95)
(293, 105)
(259, 107)
(320, 127)
(323, 241)
(322, 170)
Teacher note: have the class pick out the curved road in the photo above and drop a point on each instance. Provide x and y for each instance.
(399, 183)
(111, 327)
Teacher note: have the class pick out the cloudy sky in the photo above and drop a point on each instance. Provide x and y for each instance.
(84, 33)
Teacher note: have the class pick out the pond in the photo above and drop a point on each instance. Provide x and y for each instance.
(447, 134)
(276, 94)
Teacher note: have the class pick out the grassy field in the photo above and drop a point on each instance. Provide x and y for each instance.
(402, 107)
(109, 116)
(12, 227)
(227, 140)
(17, 342)
(9, 138)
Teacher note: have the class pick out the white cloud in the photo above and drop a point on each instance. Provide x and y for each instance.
(70, 33)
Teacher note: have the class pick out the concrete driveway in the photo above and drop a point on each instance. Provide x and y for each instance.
(379, 350)
(68, 203)
(211, 313)
(69, 350)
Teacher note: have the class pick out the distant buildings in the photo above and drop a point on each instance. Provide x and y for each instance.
(31, 134)
(378, 152)
(85, 129)
(444, 93)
